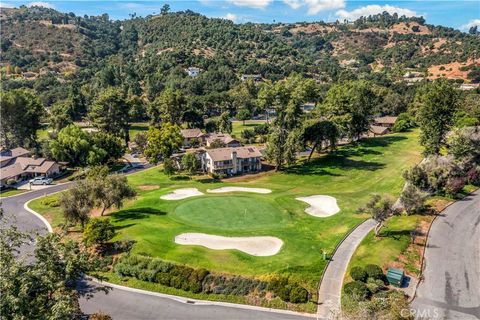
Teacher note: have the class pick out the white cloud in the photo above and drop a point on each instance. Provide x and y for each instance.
(372, 10)
(315, 6)
(256, 4)
(41, 4)
(6, 5)
(294, 4)
(230, 16)
(471, 23)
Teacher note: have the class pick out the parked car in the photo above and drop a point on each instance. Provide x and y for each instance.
(41, 181)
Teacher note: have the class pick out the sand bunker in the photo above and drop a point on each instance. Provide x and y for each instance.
(180, 194)
(239, 189)
(255, 246)
(320, 206)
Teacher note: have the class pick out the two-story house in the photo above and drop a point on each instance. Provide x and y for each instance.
(232, 161)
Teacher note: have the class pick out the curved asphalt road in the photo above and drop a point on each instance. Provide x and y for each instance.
(123, 304)
(451, 285)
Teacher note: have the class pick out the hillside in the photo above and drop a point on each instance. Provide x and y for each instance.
(148, 54)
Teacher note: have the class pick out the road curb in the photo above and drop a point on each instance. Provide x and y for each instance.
(172, 297)
(39, 216)
(197, 302)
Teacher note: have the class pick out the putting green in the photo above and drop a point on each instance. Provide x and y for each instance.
(228, 213)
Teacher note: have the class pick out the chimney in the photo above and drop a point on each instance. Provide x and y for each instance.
(234, 161)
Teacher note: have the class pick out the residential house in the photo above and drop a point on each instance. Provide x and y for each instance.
(193, 72)
(224, 137)
(16, 165)
(192, 137)
(254, 77)
(469, 86)
(386, 122)
(374, 131)
(232, 161)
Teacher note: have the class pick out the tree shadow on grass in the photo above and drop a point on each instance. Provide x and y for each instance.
(395, 234)
(334, 161)
(341, 158)
(136, 213)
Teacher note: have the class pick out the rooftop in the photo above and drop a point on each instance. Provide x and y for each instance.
(222, 154)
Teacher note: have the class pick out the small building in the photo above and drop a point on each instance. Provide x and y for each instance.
(193, 72)
(232, 161)
(469, 86)
(395, 277)
(16, 165)
(386, 122)
(223, 137)
(308, 107)
(375, 131)
(191, 137)
(254, 77)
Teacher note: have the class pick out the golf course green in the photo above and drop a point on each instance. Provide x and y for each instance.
(228, 213)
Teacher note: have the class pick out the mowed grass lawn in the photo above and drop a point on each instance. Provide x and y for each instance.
(239, 126)
(350, 174)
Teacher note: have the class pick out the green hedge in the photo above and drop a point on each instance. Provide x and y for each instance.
(201, 280)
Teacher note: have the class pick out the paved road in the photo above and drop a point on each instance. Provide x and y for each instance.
(124, 304)
(331, 286)
(451, 286)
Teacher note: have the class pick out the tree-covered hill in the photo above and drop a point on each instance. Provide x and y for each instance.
(42, 48)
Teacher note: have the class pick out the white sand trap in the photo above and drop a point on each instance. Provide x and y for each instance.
(239, 189)
(180, 194)
(255, 246)
(320, 206)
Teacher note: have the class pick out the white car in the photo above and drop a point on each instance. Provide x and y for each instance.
(41, 181)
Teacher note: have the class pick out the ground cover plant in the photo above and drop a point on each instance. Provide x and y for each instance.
(350, 175)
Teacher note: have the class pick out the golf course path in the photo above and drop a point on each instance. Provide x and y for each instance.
(332, 281)
(451, 285)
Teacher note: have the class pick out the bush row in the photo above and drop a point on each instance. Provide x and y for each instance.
(201, 280)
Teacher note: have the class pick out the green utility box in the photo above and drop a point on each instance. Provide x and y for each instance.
(395, 277)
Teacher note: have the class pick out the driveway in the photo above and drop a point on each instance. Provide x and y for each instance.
(451, 285)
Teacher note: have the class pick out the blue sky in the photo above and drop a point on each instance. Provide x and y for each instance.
(457, 14)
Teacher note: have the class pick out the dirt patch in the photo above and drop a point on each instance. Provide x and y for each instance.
(451, 70)
(311, 28)
(403, 28)
(148, 187)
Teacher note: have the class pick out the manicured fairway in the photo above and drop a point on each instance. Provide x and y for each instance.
(229, 213)
(350, 175)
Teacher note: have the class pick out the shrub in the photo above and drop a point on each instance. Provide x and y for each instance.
(169, 167)
(412, 199)
(51, 202)
(374, 271)
(357, 290)
(280, 288)
(358, 274)
(454, 185)
(100, 316)
(473, 176)
(298, 294)
(98, 231)
(375, 285)
(11, 182)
